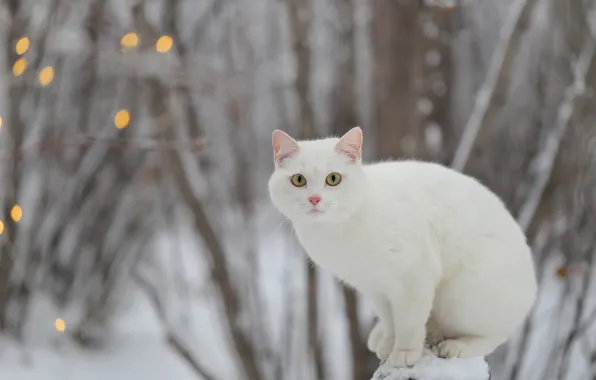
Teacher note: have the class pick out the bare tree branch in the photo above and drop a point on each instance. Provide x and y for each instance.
(215, 251)
(493, 91)
(301, 17)
(38, 148)
(175, 342)
(548, 155)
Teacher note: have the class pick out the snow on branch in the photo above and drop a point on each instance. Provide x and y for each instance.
(500, 66)
(431, 367)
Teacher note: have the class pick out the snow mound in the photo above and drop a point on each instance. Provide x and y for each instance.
(431, 367)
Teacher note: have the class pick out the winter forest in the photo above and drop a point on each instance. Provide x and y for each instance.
(136, 234)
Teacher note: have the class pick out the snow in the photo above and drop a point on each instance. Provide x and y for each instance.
(432, 368)
(135, 347)
(144, 357)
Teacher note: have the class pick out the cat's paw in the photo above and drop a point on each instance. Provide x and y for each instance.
(450, 348)
(375, 337)
(385, 346)
(401, 358)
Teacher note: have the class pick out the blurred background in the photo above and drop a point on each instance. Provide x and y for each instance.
(136, 234)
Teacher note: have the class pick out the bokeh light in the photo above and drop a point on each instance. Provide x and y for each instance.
(46, 76)
(1, 227)
(16, 213)
(129, 41)
(60, 325)
(19, 67)
(164, 44)
(122, 119)
(22, 46)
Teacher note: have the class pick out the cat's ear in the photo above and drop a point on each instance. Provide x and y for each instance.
(351, 144)
(284, 146)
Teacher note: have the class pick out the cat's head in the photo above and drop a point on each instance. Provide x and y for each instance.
(317, 180)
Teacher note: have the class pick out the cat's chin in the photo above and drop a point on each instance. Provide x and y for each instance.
(314, 215)
(318, 216)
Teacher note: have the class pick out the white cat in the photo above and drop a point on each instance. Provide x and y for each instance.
(436, 252)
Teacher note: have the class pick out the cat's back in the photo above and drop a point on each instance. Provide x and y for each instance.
(432, 193)
(425, 180)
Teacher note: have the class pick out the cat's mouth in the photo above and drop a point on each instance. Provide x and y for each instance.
(315, 211)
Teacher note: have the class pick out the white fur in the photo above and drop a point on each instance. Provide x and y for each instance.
(436, 252)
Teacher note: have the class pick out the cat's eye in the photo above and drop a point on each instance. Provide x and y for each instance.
(333, 179)
(298, 180)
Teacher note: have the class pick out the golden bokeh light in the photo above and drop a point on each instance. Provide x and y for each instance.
(22, 45)
(129, 41)
(19, 67)
(164, 44)
(16, 213)
(60, 325)
(46, 76)
(1, 227)
(122, 119)
(0, 122)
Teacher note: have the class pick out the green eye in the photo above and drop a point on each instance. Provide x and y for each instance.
(298, 180)
(333, 179)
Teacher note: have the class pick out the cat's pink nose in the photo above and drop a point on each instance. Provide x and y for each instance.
(314, 199)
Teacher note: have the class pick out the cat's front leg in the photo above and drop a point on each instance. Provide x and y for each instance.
(382, 338)
(411, 305)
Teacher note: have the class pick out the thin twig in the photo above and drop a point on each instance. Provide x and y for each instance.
(50, 145)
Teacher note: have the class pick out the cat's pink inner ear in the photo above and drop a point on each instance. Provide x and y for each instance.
(351, 144)
(284, 146)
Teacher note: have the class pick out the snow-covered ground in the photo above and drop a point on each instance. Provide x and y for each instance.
(136, 345)
(142, 356)
(136, 349)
